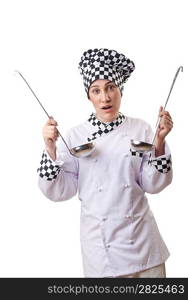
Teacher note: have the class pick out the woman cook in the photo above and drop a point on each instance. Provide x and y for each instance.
(119, 235)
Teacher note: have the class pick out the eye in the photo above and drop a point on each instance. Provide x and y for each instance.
(111, 87)
(96, 91)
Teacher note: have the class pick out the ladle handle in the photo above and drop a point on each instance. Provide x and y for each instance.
(42, 108)
(158, 121)
(64, 141)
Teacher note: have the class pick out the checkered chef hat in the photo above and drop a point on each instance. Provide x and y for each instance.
(105, 64)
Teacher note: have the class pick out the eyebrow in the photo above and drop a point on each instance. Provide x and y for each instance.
(105, 84)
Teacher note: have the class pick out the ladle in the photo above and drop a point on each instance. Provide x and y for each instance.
(79, 151)
(142, 146)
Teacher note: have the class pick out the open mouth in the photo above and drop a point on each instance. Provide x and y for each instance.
(107, 107)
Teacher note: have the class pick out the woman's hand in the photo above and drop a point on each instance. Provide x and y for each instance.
(50, 135)
(165, 126)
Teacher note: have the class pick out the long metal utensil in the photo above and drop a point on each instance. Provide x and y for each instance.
(79, 151)
(142, 146)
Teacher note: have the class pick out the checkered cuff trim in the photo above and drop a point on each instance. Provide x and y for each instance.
(163, 164)
(136, 153)
(48, 170)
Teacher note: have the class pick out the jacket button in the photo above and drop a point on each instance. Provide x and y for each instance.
(108, 246)
(126, 186)
(104, 218)
(100, 189)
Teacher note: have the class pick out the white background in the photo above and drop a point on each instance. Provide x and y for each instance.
(45, 40)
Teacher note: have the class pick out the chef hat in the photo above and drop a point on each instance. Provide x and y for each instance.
(105, 64)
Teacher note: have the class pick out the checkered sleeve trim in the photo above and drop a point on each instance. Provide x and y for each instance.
(163, 164)
(48, 169)
(136, 153)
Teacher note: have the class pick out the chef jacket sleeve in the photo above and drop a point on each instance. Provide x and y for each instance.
(155, 172)
(58, 180)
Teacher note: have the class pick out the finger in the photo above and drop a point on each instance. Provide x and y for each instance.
(169, 119)
(166, 120)
(160, 110)
(165, 113)
(166, 117)
(53, 137)
(56, 134)
(166, 125)
(52, 128)
(169, 124)
(49, 130)
(50, 141)
(51, 121)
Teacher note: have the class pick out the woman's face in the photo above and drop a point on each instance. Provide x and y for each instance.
(106, 99)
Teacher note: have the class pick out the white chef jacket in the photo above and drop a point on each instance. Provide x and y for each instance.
(118, 232)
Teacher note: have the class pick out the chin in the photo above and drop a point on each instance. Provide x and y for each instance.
(109, 116)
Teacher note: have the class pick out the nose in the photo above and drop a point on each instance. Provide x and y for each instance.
(105, 97)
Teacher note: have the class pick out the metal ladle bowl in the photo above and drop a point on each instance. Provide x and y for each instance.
(143, 146)
(83, 150)
(78, 151)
